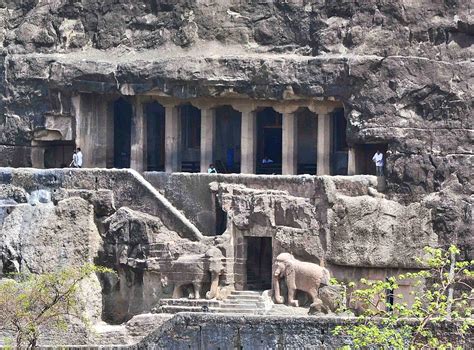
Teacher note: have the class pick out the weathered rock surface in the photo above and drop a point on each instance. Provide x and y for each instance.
(413, 94)
(44, 236)
(343, 226)
(226, 331)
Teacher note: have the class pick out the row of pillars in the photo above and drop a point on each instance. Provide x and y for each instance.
(248, 139)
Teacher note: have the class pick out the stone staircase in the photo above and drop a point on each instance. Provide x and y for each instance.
(238, 302)
(243, 302)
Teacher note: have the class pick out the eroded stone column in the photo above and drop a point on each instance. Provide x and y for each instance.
(351, 161)
(248, 143)
(324, 145)
(138, 137)
(290, 144)
(172, 139)
(208, 131)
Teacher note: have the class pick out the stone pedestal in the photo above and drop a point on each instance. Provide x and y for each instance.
(208, 134)
(248, 144)
(324, 145)
(138, 152)
(290, 144)
(172, 139)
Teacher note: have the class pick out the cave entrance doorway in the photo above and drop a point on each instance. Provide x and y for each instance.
(259, 263)
(191, 138)
(269, 141)
(58, 154)
(227, 147)
(307, 124)
(123, 112)
(363, 157)
(155, 119)
(339, 152)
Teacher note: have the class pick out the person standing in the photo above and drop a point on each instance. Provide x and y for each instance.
(378, 160)
(76, 159)
(73, 163)
(79, 158)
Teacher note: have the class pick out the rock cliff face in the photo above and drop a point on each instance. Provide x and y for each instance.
(403, 70)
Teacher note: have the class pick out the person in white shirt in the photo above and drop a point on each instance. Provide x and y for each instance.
(79, 158)
(76, 159)
(378, 160)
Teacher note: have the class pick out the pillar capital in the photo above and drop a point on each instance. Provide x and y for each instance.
(286, 108)
(244, 107)
(203, 104)
(167, 102)
(323, 107)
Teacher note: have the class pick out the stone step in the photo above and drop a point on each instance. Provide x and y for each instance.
(236, 311)
(190, 302)
(245, 292)
(173, 309)
(240, 306)
(244, 297)
(240, 301)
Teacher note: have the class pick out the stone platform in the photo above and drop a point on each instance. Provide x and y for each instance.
(238, 302)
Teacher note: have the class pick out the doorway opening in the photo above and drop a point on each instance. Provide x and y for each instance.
(269, 141)
(58, 154)
(307, 135)
(155, 118)
(191, 138)
(339, 145)
(123, 112)
(259, 263)
(227, 148)
(221, 217)
(363, 157)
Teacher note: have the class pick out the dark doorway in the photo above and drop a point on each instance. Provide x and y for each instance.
(155, 114)
(122, 133)
(269, 141)
(227, 148)
(221, 218)
(191, 138)
(363, 157)
(58, 154)
(339, 146)
(259, 263)
(307, 140)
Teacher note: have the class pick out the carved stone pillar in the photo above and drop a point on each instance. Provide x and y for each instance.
(248, 143)
(351, 161)
(324, 144)
(208, 134)
(290, 144)
(172, 139)
(138, 152)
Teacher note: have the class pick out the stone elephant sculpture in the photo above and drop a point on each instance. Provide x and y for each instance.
(198, 269)
(299, 275)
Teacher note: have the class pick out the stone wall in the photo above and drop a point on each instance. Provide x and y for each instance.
(413, 95)
(191, 193)
(207, 331)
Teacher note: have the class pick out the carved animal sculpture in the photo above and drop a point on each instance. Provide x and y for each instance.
(196, 270)
(299, 275)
